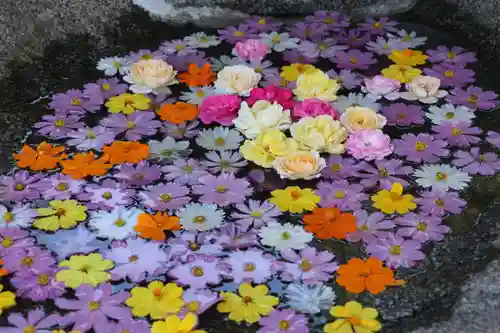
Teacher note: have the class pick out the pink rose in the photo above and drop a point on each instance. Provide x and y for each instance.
(369, 145)
(271, 93)
(220, 109)
(251, 49)
(313, 107)
(379, 86)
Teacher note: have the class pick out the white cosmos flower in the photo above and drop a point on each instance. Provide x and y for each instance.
(223, 161)
(409, 40)
(309, 299)
(197, 94)
(441, 177)
(263, 115)
(202, 40)
(353, 99)
(384, 46)
(21, 216)
(113, 65)
(279, 42)
(256, 213)
(284, 236)
(219, 138)
(450, 113)
(201, 217)
(168, 148)
(224, 60)
(117, 224)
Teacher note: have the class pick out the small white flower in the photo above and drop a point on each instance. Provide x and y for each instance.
(263, 115)
(168, 148)
(249, 266)
(279, 42)
(197, 94)
(219, 63)
(224, 161)
(201, 217)
(202, 40)
(237, 79)
(113, 65)
(284, 236)
(442, 177)
(450, 113)
(353, 99)
(384, 46)
(309, 299)
(409, 40)
(21, 216)
(219, 138)
(117, 224)
(425, 89)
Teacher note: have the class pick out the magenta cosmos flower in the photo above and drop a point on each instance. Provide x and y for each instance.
(440, 203)
(135, 125)
(370, 227)
(421, 227)
(36, 322)
(286, 320)
(384, 174)
(420, 148)
(451, 75)
(474, 162)
(456, 55)
(474, 98)
(354, 59)
(252, 265)
(369, 145)
(460, 134)
(197, 272)
(222, 190)
(341, 194)
(165, 196)
(396, 251)
(402, 114)
(272, 93)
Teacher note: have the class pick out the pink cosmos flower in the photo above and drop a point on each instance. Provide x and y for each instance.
(251, 49)
(272, 93)
(380, 86)
(369, 145)
(313, 107)
(220, 109)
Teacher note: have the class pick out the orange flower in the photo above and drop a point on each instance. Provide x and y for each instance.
(152, 226)
(178, 113)
(3, 272)
(358, 275)
(126, 152)
(85, 164)
(329, 222)
(45, 157)
(197, 76)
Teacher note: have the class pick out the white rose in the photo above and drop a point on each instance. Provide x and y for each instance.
(299, 165)
(151, 75)
(238, 79)
(252, 121)
(425, 89)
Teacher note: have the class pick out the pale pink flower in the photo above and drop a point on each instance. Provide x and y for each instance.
(369, 145)
(251, 49)
(380, 86)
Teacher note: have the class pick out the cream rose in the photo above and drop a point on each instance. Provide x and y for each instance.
(299, 165)
(358, 118)
(251, 121)
(318, 85)
(238, 79)
(322, 134)
(425, 89)
(151, 75)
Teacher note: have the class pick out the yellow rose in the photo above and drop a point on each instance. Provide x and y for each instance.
(151, 75)
(267, 146)
(322, 134)
(358, 118)
(316, 85)
(238, 79)
(299, 165)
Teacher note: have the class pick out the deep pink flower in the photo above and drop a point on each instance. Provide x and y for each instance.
(251, 49)
(272, 93)
(313, 107)
(369, 145)
(220, 109)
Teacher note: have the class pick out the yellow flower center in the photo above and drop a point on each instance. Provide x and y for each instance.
(256, 213)
(364, 227)
(91, 135)
(353, 60)
(336, 167)
(84, 268)
(28, 261)
(449, 115)
(286, 235)
(305, 265)
(276, 39)
(395, 249)
(456, 132)
(19, 187)
(221, 189)
(472, 98)
(120, 222)
(377, 25)
(421, 226)
(482, 158)
(224, 164)
(262, 21)
(130, 124)
(106, 86)
(93, 306)
(29, 329)
(8, 217)
(322, 46)
(200, 93)
(249, 267)
(194, 246)
(420, 146)
(146, 57)
(284, 325)
(439, 203)
(383, 172)
(60, 212)
(238, 33)
(116, 64)
(167, 153)
(180, 47)
(7, 242)
(60, 123)
(401, 115)
(339, 194)
(187, 169)
(165, 197)
(193, 306)
(107, 195)
(452, 55)
(133, 258)
(406, 38)
(308, 32)
(138, 176)
(395, 196)
(283, 83)
(441, 176)
(76, 102)
(220, 141)
(62, 186)
(197, 271)
(199, 219)
(43, 279)
(449, 74)
(328, 20)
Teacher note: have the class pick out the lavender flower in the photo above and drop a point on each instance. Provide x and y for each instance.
(493, 138)
(38, 286)
(311, 31)
(439, 203)
(21, 186)
(341, 194)
(251, 265)
(58, 125)
(180, 131)
(197, 272)
(186, 244)
(347, 78)
(370, 227)
(30, 259)
(36, 320)
(339, 168)
(61, 187)
(294, 56)
(74, 102)
(224, 161)
(178, 47)
(181, 63)
(354, 59)
(421, 227)
(354, 38)
(131, 325)
(456, 55)
(451, 75)
(325, 48)
(184, 172)
(104, 89)
(420, 148)
(262, 24)
(233, 35)
(165, 196)
(135, 125)
(90, 138)
(474, 98)
(384, 174)
(475, 162)
(396, 251)
(228, 189)
(198, 301)
(401, 114)
(286, 320)
(107, 195)
(144, 54)
(460, 134)
(233, 236)
(14, 240)
(138, 174)
(333, 20)
(378, 27)
(255, 213)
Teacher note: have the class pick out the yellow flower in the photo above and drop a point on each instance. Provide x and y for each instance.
(299, 165)
(316, 85)
(321, 133)
(293, 71)
(294, 199)
(157, 300)
(393, 200)
(84, 269)
(128, 103)
(267, 146)
(402, 73)
(357, 118)
(7, 299)
(408, 57)
(253, 303)
(174, 324)
(63, 331)
(353, 318)
(62, 214)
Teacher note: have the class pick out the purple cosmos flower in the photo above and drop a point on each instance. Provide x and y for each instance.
(460, 134)
(378, 27)
(74, 102)
(107, 195)
(61, 187)
(396, 251)
(38, 286)
(93, 307)
(165, 196)
(222, 190)
(21, 186)
(197, 272)
(30, 259)
(233, 236)
(354, 59)
(439, 203)
(14, 240)
(251, 265)
(136, 258)
(355, 38)
(144, 54)
(198, 301)
(286, 320)
(347, 78)
(421, 227)
(131, 325)
(370, 227)
(475, 162)
(308, 266)
(262, 24)
(493, 138)
(339, 168)
(180, 131)
(451, 75)
(135, 125)
(181, 63)
(402, 114)
(333, 20)
(341, 194)
(104, 89)
(36, 321)
(187, 243)
(311, 31)
(456, 55)
(58, 125)
(184, 171)
(420, 148)
(138, 174)
(90, 138)
(255, 213)
(178, 47)
(325, 48)
(474, 98)
(240, 33)
(294, 56)
(384, 174)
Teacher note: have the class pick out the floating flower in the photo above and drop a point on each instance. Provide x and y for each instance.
(379, 86)
(20, 216)
(156, 300)
(455, 55)
(294, 199)
(200, 217)
(219, 138)
(341, 194)
(113, 65)
(267, 146)
(476, 162)
(272, 93)
(62, 214)
(251, 49)
(151, 76)
(255, 213)
(339, 167)
(201, 40)
(153, 226)
(117, 224)
(88, 138)
(402, 73)
(354, 59)
(197, 76)
(357, 119)
(370, 227)
(353, 318)
(178, 113)
(474, 98)
(369, 145)
(285, 320)
(126, 152)
(440, 202)
(198, 272)
(318, 85)
(299, 165)
(422, 147)
(326, 223)
(45, 157)
(451, 75)
(168, 149)
(36, 321)
(7, 299)
(174, 324)
(401, 114)
(128, 103)
(251, 265)
(165, 196)
(396, 251)
(355, 100)
(58, 125)
(421, 227)
(221, 109)
(252, 121)
(425, 89)
(309, 299)
(20, 186)
(457, 134)
(284, 236)
(408, 57)
(393, 200)
(450, 113)
(224, 161)
(222, 190)
(84, 269)
(237, 79)
(321, 134)
(442, 177)
(293, 71)
(313, 107)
